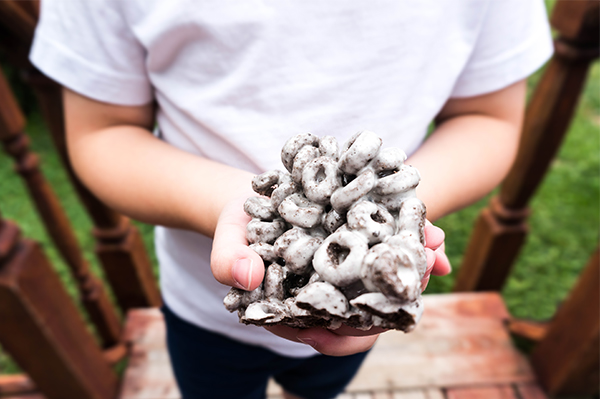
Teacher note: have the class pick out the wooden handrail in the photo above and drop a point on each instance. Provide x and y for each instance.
(16, 143)
(501, 228)
(41, 328)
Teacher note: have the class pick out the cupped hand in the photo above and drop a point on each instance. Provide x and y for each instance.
(437, 261)
(233, 263)
(342, 341)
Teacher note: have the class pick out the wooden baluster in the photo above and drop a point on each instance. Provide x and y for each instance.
(566, 360)
(119, 244)
(16, 143)
(501, 228)
(41, 327)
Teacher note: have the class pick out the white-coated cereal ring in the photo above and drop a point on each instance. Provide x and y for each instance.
(393, 202)
(344, 197)
(409, 243)
(389, 269)
(264, 231)
(265, 183)
(260, 208)
(265, 251)
(297, 248)
(388, 161)
(299, 211)
(406, 179)
(273, 283)
(412, 218)
(374, 222)
(323, 298)
(304, 156)
(359, 151)
(329, 147)
(320, 179)
(284, 190)
(338, 260)
(333, 221)
(293, 145)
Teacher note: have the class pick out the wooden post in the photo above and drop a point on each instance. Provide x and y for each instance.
(501, 229)
(93, 295)
(566, 360)
(41, 328)
(119, 244)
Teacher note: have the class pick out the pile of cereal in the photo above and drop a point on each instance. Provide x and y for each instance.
(341, 235)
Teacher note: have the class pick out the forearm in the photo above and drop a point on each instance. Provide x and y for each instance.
(463, 160)
(152, 181)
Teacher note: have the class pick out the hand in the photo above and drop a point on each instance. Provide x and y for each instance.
(343, 341)
(437, 261)
(233, 263)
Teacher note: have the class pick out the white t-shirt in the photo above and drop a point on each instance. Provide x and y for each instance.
(235, 79)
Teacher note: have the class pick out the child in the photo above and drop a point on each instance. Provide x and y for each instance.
(232, 81)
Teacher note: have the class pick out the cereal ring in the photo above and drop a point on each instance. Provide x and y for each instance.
(265, 251)
(265, 183)
(329, 147)
(273, 283)
(345, 196)
(359, 151)
(293, 145)
(284, 190)
(260, 208)
(392, 312)
(323, 299)
(339, 258)
(374, 222)
(333, 221)
(260, 231)
(299, 211)
(406, 179)
(388, 162)
(266, 311)
(412, 218)
(389, 269)
(408, 242)
(393, 202)
(305, 155)
(297, 248)
(320, 179)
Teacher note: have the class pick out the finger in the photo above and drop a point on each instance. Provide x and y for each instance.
(354, 332)
(442, 264)
(232, 262)
(424, 282)
(329, 343)
(434, 236)
(431, 259)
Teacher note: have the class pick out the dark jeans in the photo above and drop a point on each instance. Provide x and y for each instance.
(212, 366)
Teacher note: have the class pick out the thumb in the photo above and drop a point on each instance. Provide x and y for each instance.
(232, 262)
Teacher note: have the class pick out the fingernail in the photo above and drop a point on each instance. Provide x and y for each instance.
(242, 273)
(308, 341)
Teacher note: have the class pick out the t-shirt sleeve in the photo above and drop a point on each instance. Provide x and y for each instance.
(88, 47)
(514, 41)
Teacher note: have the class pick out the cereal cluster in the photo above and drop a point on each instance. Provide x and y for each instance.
(342, 233)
